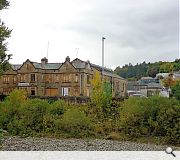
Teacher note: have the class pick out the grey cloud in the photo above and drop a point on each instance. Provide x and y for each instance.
(140, 29)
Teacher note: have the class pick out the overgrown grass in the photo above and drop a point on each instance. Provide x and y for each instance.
(154, 119)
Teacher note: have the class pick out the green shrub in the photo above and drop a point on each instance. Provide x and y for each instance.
(134, 118)
(57, 108)
(168, 121)
(11, 107)
(7, 113)
(74, 124)
(154, 116)
(33, 114)
(17, 98)
(176, 90)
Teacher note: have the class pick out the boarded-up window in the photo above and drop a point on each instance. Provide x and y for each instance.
(52, 92)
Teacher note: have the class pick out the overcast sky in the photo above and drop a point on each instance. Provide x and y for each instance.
(135, 30)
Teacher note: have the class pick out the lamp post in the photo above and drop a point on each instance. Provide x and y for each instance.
(103, 55)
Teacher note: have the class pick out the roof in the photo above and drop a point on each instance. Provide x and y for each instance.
(154, 85)
(111, 74)
(100, 68)
(176, 74)
(77, 63)
(52, 66)
(37, 65)
(16, 66)
(165, 75)
(146, 78)
(47, 65)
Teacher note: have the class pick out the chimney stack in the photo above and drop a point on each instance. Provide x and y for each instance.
(44, 61)
(68, 59)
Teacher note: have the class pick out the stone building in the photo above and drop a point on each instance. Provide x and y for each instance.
(70, 78)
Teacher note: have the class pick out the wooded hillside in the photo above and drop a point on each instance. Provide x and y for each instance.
(134, 72)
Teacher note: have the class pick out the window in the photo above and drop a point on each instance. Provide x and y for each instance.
(33, 77)
(88, 92)
(33, 91)
(27, 66)
(57, 78)
(14, 79)
(46, 77)
(66, 78)
(6, 91)
(22, 78)
(65, 91)
(23, 88)
(42, 91)
(88, 79)
(124, 85)
(117, 85)
(76, 78)
(5, 79)
(76, 91)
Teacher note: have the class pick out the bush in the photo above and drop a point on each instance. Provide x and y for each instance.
(57, 108)
(33, 114)
(135, 117)
(17, 98)
(154, 116)
(74, 124)
(176, 90)
(11, 106)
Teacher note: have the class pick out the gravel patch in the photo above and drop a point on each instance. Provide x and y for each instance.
(52, 144)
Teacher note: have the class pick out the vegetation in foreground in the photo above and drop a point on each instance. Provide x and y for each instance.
(154, 119)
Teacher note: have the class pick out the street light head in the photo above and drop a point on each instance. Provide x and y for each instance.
(103, 38)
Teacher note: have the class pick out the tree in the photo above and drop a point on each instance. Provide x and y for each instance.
(166, 67)
(4, 34)
(101, 95)
(153, 69)
(176, 90)
(168, 82)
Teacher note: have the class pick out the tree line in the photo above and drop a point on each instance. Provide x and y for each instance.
(135, 72)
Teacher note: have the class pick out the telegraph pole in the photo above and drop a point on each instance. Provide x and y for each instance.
(47, 49)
